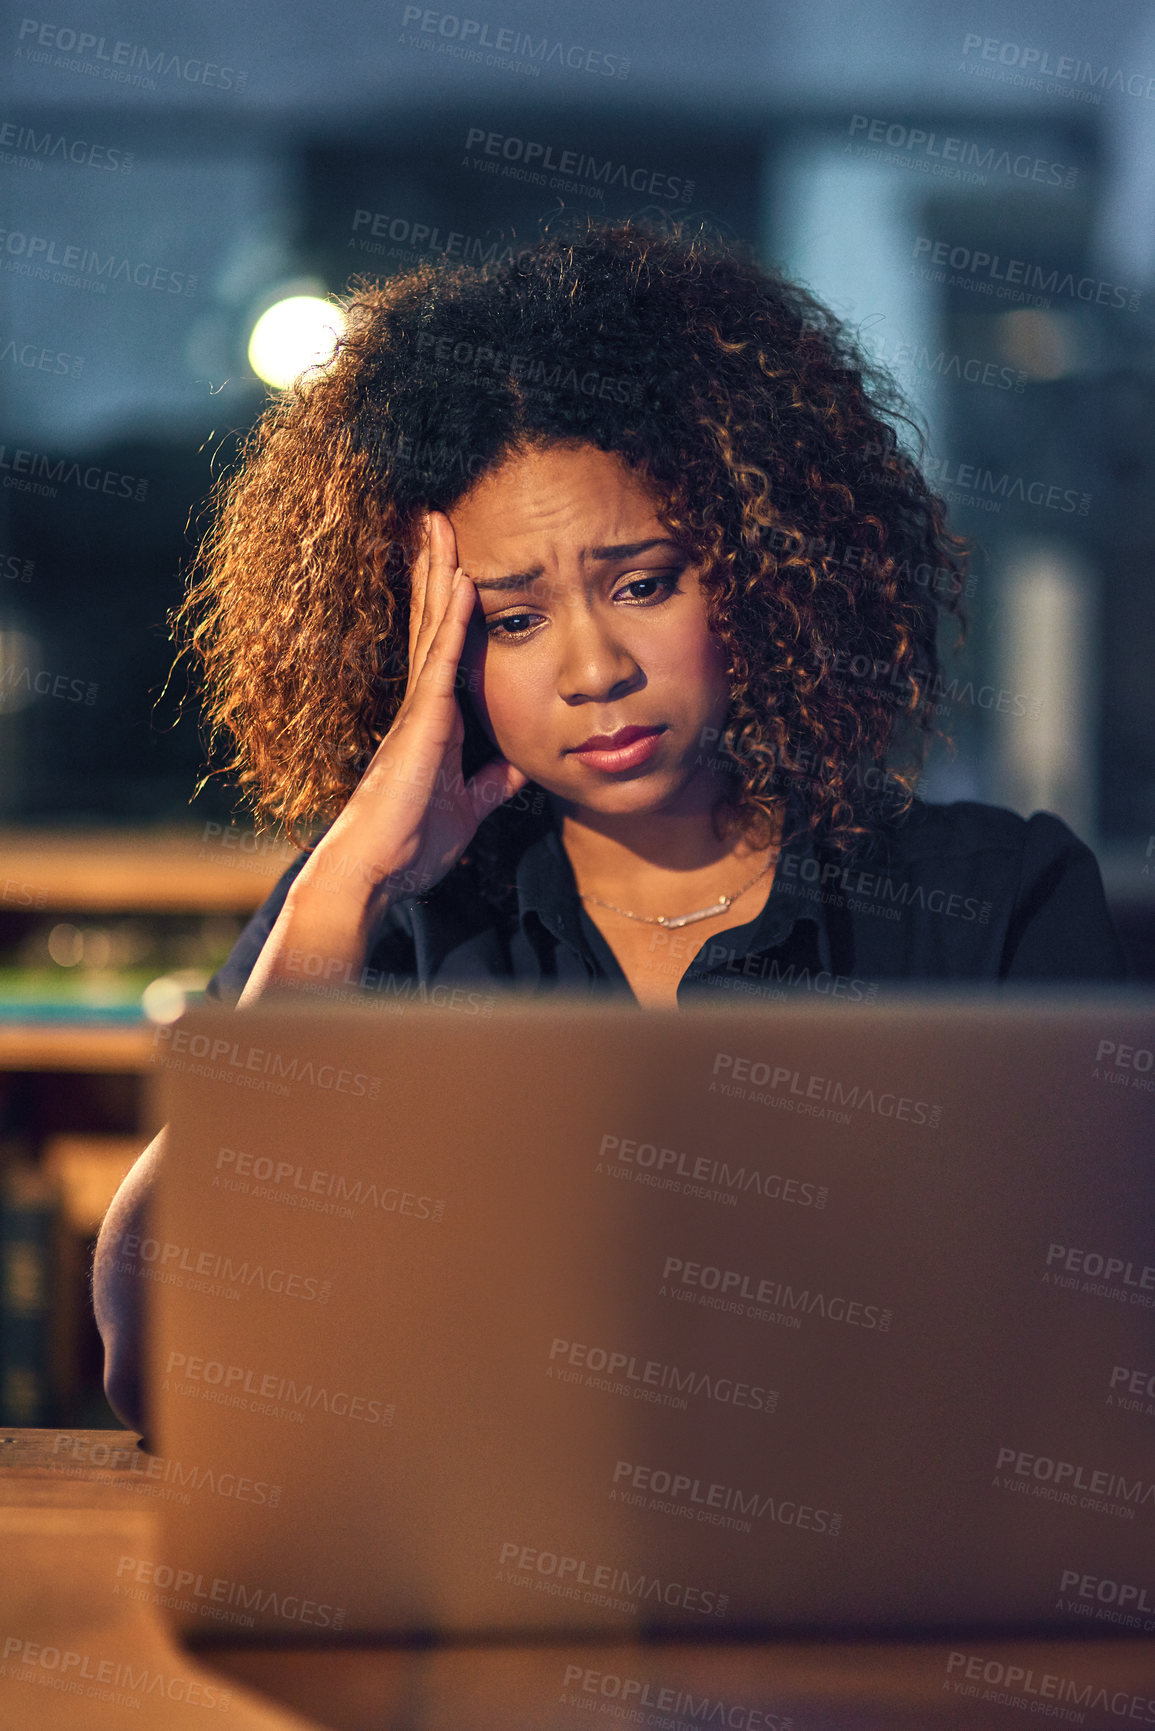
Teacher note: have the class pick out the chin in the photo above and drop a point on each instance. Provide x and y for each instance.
(638, 798)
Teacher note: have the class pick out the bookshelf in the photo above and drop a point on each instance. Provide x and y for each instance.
(139, 871)
(87, 918)
(75, 1048)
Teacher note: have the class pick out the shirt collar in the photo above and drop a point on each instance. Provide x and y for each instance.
(547, 893)
(794, 897)
(546, 888)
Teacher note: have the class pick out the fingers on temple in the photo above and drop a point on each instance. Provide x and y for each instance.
(442, 654)
(418, 586)
(434, 573)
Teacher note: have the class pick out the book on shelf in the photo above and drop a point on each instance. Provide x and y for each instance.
(51, 1357)
(27, 1223)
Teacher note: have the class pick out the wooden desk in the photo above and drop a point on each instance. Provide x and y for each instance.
(812, 1685)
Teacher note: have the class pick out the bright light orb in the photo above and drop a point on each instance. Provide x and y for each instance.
(294, 334)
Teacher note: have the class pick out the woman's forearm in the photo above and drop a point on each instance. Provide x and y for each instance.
(320, 936)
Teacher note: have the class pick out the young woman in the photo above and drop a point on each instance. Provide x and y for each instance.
(592, 604)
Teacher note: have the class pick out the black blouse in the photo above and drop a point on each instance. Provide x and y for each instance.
(952, 892)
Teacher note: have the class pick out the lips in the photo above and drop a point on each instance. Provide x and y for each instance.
(616, 741)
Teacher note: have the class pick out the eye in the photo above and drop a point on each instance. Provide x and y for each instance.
(659, 586)
(666, 583)
(511, 626)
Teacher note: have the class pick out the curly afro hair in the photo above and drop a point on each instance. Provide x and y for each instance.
(749, 411)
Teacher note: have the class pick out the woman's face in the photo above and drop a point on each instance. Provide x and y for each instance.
(589, 620)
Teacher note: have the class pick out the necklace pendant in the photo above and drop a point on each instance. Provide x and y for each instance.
(702, 914)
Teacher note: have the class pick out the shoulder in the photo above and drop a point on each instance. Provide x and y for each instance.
(1036, 883)
(965, 829)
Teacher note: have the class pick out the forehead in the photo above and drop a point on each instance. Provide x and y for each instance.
(546, 507)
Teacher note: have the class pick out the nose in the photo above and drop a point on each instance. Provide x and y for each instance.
(594, 664)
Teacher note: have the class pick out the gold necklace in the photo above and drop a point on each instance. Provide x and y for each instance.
(670, 921)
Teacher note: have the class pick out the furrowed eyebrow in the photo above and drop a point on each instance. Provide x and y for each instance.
(628, 549)
(623, 550)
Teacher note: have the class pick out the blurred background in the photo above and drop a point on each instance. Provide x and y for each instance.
(971, 187)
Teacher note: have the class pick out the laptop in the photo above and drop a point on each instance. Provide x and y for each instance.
(539, 1317)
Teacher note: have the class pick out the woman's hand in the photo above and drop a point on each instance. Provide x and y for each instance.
(413, 815)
